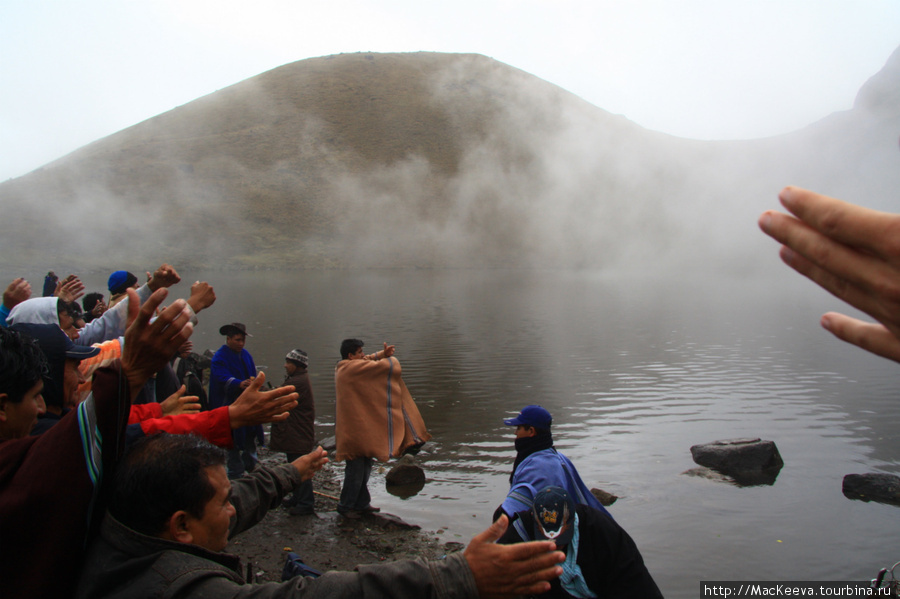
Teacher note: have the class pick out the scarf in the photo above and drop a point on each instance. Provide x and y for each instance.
(572, 579)
(526, 446)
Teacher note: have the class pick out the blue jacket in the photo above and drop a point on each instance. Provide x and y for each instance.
(542, 469)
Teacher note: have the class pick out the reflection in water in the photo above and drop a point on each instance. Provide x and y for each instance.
(634, 373)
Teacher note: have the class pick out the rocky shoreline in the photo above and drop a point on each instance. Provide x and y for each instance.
(327, 541)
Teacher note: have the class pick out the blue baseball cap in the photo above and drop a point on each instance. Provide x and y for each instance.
(535, 416)
(554, 516)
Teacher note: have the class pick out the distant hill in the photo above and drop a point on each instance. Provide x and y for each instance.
(428, 160)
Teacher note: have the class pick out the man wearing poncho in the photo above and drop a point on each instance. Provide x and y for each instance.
(376, 418)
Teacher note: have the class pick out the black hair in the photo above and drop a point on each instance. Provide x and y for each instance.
(90, 300)
(160, 475)
(349, 346)
(22, 364)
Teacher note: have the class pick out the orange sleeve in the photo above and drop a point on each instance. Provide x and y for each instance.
(214, 426)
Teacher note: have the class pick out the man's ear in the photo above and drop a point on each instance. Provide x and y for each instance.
(177, 528)
(4, 399)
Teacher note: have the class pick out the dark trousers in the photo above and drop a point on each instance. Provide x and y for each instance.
(355, 492)
(243, 459)
(302, 496)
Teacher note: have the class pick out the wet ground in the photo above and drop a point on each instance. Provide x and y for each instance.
(328, 541)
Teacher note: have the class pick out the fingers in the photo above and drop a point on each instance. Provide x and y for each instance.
(190, 404)
(134, 305)
(311, 463)
(257, 381)
(493, 532)
(852, 292)
(281, 399)
(841, 221)
(832, 257)
(874, 338)
(173, 324)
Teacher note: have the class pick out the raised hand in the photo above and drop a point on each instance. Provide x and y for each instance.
(850, 251)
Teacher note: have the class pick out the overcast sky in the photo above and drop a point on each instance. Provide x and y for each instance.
(75, 71)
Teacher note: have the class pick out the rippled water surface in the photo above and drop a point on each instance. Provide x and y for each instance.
(634, 372)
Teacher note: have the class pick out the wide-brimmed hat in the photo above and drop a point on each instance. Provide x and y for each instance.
(535, 416)
(554, 516)
(234, 328)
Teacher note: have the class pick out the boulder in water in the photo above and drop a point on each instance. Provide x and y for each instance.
(748, 461)
(881, 488)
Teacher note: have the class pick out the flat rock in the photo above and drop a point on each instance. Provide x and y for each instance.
(881, 488)
(747, 461)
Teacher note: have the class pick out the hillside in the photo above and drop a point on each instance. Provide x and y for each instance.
(418, 160)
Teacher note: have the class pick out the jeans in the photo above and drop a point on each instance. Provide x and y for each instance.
(355, 492)
(243, 459)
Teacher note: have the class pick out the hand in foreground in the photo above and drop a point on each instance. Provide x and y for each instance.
(307, 465)
(17, 292)
(853, 253)
(179, 403)
(164, 276)
(202, 296)
(518, 569)
(388, 350)
(69, 289)
(148, 346)
(254, 407)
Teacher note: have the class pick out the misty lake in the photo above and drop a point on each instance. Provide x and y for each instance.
(634, 371)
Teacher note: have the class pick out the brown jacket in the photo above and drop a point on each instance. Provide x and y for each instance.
(297, 433)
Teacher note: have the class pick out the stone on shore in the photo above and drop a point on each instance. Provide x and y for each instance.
(405, 472)
(881, 488)
(748, 461)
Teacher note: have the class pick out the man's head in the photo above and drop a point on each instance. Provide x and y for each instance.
(22, 367)
(120, 281)
(89, 301)
(295, 360)
(175, 487)
(62, 376)
(71, 318)
(554, 516)
(235, 335)
(531, 421)
(351, 349)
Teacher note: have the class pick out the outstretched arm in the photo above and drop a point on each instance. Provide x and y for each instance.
(179, 403)
(307, 465)
(148, 346)
(850, 251)
(254, 407)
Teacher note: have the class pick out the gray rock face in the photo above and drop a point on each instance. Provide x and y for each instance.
(748, 461)
(881, 488)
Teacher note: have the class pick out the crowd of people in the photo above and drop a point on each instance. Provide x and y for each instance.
(114, 482)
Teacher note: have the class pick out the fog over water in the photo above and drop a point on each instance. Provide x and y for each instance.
(635, 370)
(646, 310)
